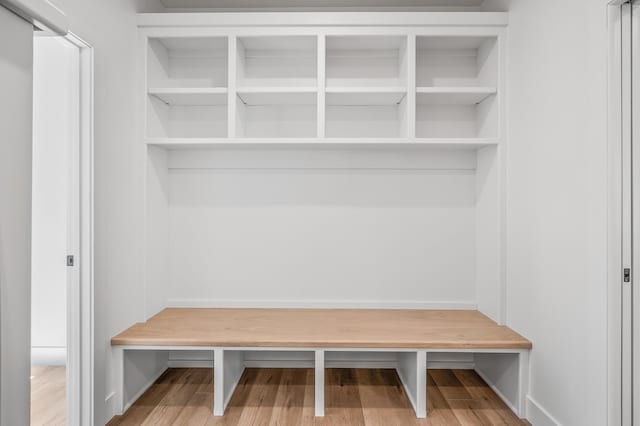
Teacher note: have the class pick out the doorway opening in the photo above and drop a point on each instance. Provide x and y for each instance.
(62, 237)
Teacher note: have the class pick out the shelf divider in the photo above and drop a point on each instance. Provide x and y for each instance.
(321, 75)
(411, 85)
(232, 79)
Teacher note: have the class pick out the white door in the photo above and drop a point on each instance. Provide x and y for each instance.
(16, 42)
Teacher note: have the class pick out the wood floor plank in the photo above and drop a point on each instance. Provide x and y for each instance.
(383, 398)
(169, 407)
(48, 395)
(478, 389)
(438, 410)
(238, 400)
(283, 397)
(449, 385)
(259, 404)
(343, 405)
(149, 400)
(196, 412)
(309, 410)
(470, 412)
(289, 406)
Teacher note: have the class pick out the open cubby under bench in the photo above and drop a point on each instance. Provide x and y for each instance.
(410, 334)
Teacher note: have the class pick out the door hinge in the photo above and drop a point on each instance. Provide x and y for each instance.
(626, 274)
(70, 260)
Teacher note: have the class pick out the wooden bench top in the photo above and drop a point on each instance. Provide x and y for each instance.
(322, 328)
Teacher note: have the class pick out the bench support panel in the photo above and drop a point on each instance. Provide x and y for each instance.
(118, 366)
(523, 383)
(228, 368)
(412, 370)
(319, 383)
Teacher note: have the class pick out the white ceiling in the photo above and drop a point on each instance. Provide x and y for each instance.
(318, 4)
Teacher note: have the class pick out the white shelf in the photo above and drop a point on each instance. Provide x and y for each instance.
(254, 96)
(205, 143)
(196, 96)
(365, 95)
(277, 89)
(453, 95)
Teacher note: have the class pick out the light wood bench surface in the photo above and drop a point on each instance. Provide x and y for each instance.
(322, 328)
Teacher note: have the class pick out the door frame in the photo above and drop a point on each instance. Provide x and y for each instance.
(620, 220)
(80, 312)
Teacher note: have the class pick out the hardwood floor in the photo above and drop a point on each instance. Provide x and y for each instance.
(48, 396)
(285, 397)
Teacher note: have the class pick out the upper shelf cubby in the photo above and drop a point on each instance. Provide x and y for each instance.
(366, 61)
(454, 61)
(277, 61)
(185, 62)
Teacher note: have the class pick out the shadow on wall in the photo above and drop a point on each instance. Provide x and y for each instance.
(496, 5)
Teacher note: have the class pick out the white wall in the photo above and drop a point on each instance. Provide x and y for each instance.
(556, 275)
(15, 216)
(375, 228)
(52, 135)
(110, 27)
(278, 235)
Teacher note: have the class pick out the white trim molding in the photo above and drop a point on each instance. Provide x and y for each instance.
(359, 19)
(48, 355)
(41, 13)
(320, 304)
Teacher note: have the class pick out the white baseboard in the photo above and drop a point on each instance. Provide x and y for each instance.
(191, 363)
(48, 355)
(322, 304)
(538, 416)
(497, 392)
(305, 359)
(450, 365)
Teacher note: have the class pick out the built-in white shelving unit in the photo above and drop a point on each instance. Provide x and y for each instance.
(314, 85)
(297, 159)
